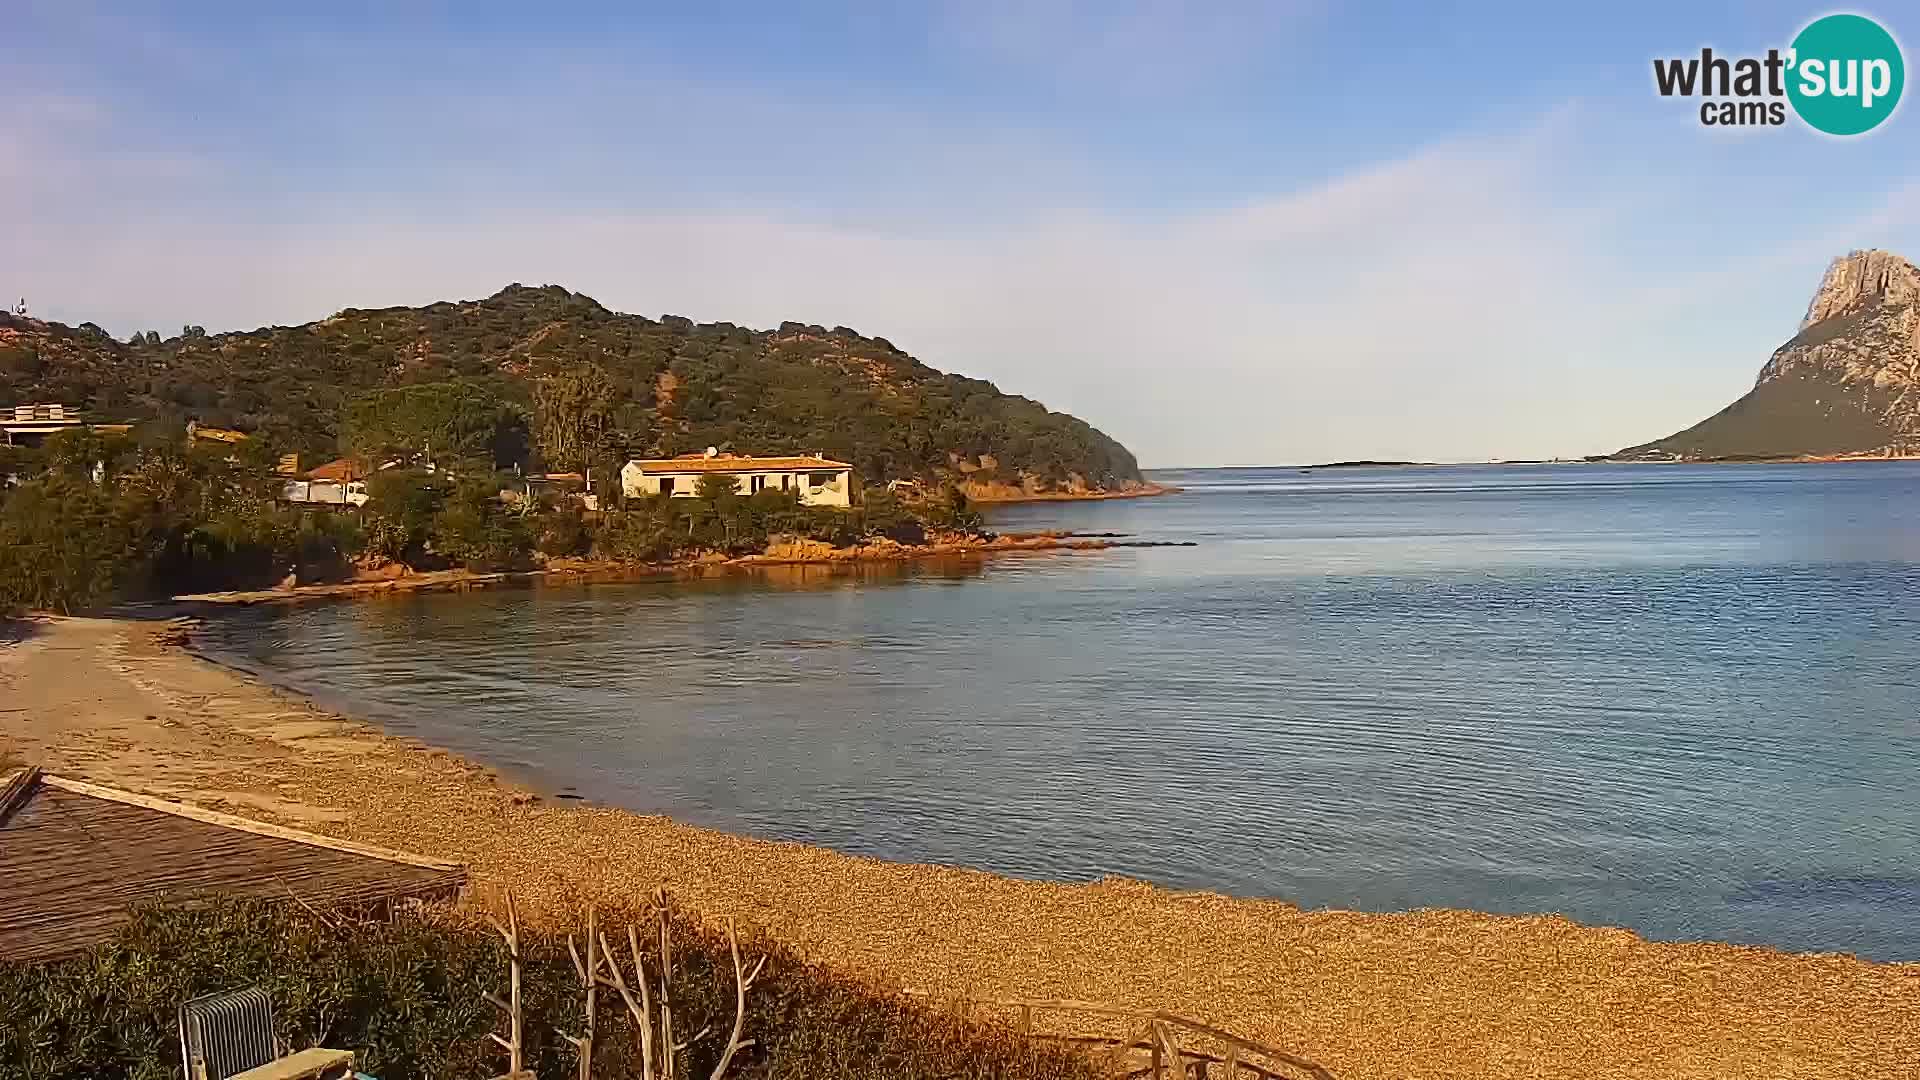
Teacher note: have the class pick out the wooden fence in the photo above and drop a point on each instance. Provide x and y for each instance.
(1156, 1045)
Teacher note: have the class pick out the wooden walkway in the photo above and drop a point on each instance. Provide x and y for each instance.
(75, 858)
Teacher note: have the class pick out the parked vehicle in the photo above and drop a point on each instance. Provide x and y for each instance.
(326, 493)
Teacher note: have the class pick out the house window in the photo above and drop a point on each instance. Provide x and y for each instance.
(820, 479)
(666, 485)
(756, 484)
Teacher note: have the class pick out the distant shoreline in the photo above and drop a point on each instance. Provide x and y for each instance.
(1799, 459)
(1001, 495)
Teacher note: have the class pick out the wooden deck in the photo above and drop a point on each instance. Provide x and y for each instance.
(75, 858)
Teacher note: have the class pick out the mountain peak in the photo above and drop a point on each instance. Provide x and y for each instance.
(1847, 384)
(1860, 279)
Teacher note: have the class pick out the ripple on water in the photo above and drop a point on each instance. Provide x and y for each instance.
(1679, 700)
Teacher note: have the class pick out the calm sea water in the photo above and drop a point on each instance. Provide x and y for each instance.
(1682, 700)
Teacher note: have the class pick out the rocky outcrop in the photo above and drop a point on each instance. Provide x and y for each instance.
(1847, 384)
(1861, 279)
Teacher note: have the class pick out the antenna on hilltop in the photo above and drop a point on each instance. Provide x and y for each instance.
(21, 307)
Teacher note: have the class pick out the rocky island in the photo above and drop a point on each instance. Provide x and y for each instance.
(1846, 385)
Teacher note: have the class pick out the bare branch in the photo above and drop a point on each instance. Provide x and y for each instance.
(667, 1070)
(585, 1044)
(574, 953)
(646, 1002)
(641, 1009)
(741, 980)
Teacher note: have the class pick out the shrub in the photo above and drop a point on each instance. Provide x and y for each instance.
(65, 545)
(643, 532)
(561, 532)
(404, 995)
(473, 529)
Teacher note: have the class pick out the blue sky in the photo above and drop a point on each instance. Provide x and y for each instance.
(1227, 233)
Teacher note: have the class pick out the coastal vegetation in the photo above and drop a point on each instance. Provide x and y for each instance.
(551, 380)
(91, 518)
(405, 994)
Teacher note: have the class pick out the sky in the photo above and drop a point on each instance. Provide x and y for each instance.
(1225, 233)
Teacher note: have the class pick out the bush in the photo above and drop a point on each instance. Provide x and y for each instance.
(475, 530)
(949, 510)
(65, 544)
(404, 995)
(642, 532)
(401, 507)
(561, 532)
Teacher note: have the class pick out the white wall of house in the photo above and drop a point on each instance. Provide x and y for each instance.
(816, 487)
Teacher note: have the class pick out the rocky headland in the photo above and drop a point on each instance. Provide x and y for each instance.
(1846, 385)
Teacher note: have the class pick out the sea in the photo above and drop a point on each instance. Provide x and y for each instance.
(1684, 700)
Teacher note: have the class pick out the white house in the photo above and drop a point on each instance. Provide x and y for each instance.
(819, 481)
(29, 425)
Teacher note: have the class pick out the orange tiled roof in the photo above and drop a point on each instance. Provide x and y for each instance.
(733, 463)
(225, 435)
(337, 470)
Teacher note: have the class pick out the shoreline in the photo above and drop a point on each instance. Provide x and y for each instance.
(998, 497)
(596, 571)
(1423, 994)
(1795, 459)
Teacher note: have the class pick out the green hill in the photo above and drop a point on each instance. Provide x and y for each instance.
(675, 386)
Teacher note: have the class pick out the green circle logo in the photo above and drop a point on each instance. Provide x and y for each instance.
(1847, 74)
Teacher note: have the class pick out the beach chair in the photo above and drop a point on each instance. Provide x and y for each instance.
(229, 1036)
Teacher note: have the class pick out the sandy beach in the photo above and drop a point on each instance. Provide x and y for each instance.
(1427, 994)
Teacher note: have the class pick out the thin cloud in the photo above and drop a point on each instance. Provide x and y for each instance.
(1350, 318)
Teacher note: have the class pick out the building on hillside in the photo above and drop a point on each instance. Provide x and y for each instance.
(819, 481)
(196, 430)
(338, 471)
(340, 482)
(29, 425)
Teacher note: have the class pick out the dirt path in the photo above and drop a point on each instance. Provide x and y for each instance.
(1431, 994)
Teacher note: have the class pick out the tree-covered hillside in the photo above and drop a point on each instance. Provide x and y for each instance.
(665, 386)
